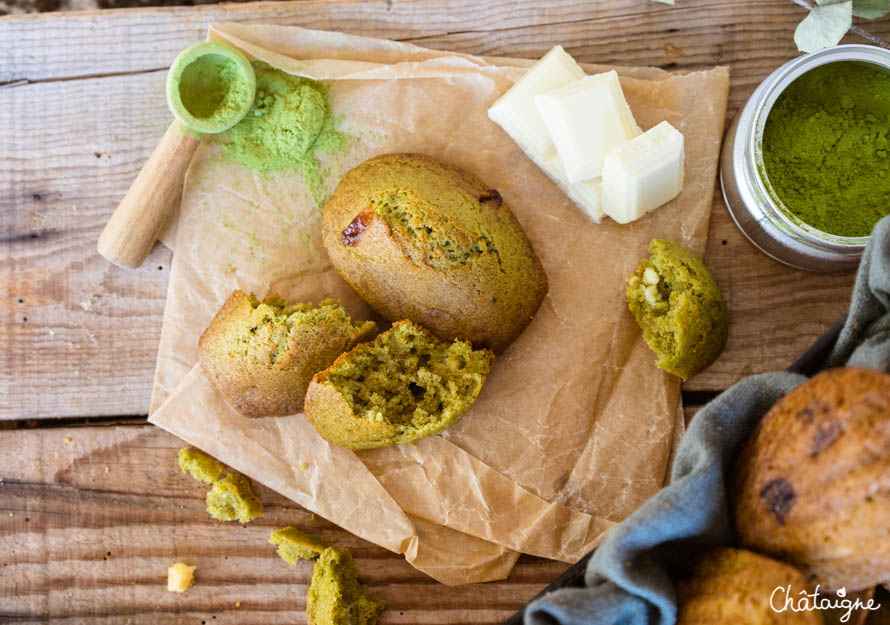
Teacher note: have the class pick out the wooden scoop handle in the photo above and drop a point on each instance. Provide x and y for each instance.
(137, 221)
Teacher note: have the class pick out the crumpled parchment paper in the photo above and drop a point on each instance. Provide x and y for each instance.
(574, 427)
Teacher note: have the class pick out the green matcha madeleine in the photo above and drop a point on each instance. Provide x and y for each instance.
(422, 239)
(199, 465)
(232, 499)
(295, 545)
(404, 385)
(679, 307)
(262, 355)
(336, 597)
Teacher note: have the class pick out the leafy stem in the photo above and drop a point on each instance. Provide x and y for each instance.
(829, 20)
(814, 29)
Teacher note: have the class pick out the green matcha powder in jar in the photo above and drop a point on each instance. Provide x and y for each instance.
(826, 148)
(805, 164)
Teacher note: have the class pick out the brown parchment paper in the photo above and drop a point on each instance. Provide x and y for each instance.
(574, 426)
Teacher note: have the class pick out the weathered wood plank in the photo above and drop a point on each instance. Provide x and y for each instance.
(82, 340)
(80, 335)
(89, 527)
(38, 47)
(700, 34)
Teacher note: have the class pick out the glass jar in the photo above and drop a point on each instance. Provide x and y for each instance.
(754, 206)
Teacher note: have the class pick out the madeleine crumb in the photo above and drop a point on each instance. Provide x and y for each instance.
(295, 545)
(200, 465)
(232, 498)
(179, 577)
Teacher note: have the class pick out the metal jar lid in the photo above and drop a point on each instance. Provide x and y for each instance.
(749, 197)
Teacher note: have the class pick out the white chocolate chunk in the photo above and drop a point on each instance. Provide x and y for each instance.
(643, 174)
(586, 119)
(516, 113)
(650, 276)
(651, 294)
(516, 108)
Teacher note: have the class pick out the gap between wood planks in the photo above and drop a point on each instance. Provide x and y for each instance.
(693, 401)
(21, 82)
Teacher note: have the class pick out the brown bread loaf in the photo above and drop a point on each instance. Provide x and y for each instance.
(736, 586)
(812, 485)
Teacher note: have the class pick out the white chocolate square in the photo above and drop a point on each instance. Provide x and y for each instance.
(586, 119)
(643, 174)
(517, 114)
(515, 110)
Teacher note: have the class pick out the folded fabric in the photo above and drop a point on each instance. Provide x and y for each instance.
(627, 580)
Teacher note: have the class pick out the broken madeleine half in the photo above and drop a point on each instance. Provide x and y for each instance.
(261, 355)
(404, 385)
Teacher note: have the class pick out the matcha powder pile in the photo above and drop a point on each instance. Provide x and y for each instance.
(826, 148)
(289, 124)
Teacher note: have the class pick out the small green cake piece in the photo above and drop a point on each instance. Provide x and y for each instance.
(232, 498)
(679, 308)
(200, 465)
(294, 545)
(336, 597)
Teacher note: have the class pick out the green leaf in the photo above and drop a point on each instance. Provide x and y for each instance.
(824, 27)
(871, 9)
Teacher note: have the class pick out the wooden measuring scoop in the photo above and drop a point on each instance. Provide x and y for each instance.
(210, 88)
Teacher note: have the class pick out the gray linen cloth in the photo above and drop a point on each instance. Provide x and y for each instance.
(627, 581)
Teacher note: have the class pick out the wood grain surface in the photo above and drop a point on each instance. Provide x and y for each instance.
(91, 517)
(89, 527)
(83, 106)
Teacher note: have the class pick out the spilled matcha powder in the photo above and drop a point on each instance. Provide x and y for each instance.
(826, 147)
(289, 125)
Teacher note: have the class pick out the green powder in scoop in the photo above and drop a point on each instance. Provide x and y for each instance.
(211, 90)
(826, 148)
(289, 125)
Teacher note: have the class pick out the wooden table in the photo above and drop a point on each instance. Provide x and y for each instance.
(92, 507)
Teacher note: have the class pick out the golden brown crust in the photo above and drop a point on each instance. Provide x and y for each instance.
(735, 586)
(424, 240)
(812, 485)
(262, 374)
(332, 417)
